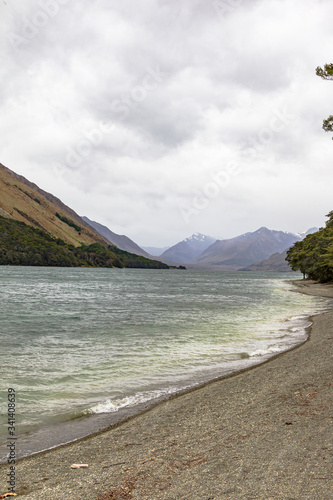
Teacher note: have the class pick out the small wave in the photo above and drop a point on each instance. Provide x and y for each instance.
(266, 352)
(111, 406)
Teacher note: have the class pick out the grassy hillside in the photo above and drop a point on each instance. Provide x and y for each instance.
(23, 245)
(22, 200)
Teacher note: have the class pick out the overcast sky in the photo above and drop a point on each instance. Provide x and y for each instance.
(160, 118)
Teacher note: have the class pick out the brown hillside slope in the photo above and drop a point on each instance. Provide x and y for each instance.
(22, 200)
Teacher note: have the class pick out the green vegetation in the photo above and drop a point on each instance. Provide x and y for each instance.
(69, 222)
(23, 245)
(326, 74)
(313, 256)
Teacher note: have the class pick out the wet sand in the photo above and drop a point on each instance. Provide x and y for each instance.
(265, 433)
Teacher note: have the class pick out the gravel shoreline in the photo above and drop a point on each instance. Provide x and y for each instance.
(265, 433)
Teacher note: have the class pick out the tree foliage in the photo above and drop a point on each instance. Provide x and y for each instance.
(328, 124)
(69, 222)
(313, 256)
(23, 245)
(327, 74)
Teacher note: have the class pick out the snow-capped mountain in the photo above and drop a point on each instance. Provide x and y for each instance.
(188, 249)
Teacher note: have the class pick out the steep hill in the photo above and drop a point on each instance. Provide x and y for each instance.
(188, 249)
(22, 200)
(38, 229)
(23, 245)
(245, 249)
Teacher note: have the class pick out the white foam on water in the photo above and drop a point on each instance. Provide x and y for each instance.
(110, 406)
(264, 352)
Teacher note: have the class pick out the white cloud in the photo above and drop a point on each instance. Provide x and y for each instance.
(126, 110)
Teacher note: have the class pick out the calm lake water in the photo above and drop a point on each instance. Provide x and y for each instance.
(85, 347)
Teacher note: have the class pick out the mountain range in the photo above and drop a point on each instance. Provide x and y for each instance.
(261, 250)
(246, 249)
(24, 201)
(277, 261)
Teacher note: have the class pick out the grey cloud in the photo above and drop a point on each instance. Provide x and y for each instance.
(229, 67)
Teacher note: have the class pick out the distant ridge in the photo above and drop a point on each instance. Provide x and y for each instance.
(309, 231)
(275, 263)
(120, 241)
